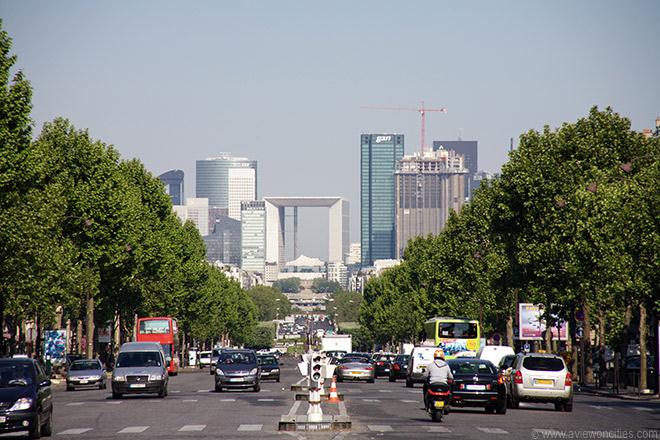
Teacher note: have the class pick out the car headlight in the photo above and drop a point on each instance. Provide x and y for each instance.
(94, 377)
(219, 372)
(253, 372)
(22, 404)
(155, 377)
(275, 370)
(119, 379)
(73, 378)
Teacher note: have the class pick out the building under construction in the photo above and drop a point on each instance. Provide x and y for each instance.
(428, 186)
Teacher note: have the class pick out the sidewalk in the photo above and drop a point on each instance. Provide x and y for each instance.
(624, 394)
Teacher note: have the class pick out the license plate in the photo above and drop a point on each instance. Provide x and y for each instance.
(138, 385)
(236, 379)
(439, 404)
(84, 381)
(387, 370)
(544, 381)
(475, 387)
(3, 419)
(355, 373)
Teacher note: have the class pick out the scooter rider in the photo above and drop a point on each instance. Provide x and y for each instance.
(437, 371)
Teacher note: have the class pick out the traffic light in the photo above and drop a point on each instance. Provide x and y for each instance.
(315, 370)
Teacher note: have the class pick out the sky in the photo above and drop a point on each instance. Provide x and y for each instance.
(285, 82)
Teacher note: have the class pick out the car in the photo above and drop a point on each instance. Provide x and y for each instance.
(141, 367)
(399, 367)
(86, 373)
(355, 368)
(543, 378)
(337, 354)
(381, 363)
(215, 355)
(205, 358)
(237, 369)
(270, 367)
(420, 357)
(477, 383)
(26, 400)
(494, 353)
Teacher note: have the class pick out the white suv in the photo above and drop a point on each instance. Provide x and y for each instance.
(541, 378)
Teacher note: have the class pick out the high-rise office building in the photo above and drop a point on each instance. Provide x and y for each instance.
(196, 210)
(470, 152)
(428, 186)
(379, 155)
(224, 241)
(253, 236)
(227, 181)
(173, 181)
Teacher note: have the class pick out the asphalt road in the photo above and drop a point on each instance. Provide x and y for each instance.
(380, 410)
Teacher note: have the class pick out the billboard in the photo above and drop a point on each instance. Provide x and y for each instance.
(55, 345)
(532, 327)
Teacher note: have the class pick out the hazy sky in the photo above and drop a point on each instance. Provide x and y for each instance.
(283, 82)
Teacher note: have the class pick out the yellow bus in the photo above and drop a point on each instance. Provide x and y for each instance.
(453, 335)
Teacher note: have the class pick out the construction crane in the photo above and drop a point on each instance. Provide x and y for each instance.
(421, 110)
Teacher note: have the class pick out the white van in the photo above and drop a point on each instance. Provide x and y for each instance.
(420, 358)
(494, 353)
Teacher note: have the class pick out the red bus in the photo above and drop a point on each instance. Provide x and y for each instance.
(163, 330)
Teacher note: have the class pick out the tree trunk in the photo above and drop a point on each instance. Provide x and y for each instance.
(90, 326)
(548, 338)
(509, 331)
(642, 347)
(627, 318)
(116, 331)
(79, 336)
(574, 356)
(586, 354)
(602, 380)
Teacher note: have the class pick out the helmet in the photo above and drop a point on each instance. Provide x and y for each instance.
(439, 354)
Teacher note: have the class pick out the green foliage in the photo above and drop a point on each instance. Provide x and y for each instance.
(320, 285)
(270, 302)
(263, 337)
(344, 306)
(287, 285)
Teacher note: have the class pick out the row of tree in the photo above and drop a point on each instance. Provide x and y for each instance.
(571, 223)
(88, 237)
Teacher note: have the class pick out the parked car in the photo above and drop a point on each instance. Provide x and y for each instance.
(26, 400)
(270, 367)
(477, 383)
(215, 355)
(494, 353)
(382, 363)
(537, 377)
(86, 373)
(420, 358)
(237, 369)
(399, 367)
(141, 368)
(355, 368)
(205, 358)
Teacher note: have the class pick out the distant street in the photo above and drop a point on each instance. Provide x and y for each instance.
(380, 410)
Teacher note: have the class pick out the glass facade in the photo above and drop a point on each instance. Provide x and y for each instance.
(173, 181)
(253, 236)
(213, 178)
(379, 155)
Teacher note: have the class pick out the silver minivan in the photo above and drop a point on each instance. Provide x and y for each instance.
(141, 367)
(540, 377)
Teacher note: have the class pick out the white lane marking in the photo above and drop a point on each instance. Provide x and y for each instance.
(438, 429)
(642, 408)
(133, 429)
(380, 428)
(227, 400)
(409, 401)
(250, 427)
(371, 401)
(74, 431)
(300, 381)
(203, 391)
(600, 407)
(189, 400)
(342, 409)
(265, 400)
(113, 402)
(192, 428)
(75, 404)
(493, 430)
(384, 391)
(176, 391)
(414, 392)
(294, 408)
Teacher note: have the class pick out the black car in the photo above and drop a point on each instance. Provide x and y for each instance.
(399, 367)
(237, 369)
(477, 383)
(26, 400)
(270, 367)
(381, 363)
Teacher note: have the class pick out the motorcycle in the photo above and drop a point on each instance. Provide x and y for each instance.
(437, 399)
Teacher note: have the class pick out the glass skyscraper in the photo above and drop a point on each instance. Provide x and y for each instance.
(227, 181)
(379, 155)
(173, 181)
(253, 236)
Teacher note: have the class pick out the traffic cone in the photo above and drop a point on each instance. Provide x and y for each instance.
(333, 397)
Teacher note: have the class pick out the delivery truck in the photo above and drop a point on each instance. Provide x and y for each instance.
(337, 343)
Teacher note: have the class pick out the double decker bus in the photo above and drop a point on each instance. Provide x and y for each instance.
(453, 335)
(164, 331)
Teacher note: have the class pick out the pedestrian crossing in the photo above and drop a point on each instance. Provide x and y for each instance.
(72, 432)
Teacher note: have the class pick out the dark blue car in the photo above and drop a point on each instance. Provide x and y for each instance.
(26, 401)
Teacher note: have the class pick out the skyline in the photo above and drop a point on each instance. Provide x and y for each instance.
(285, 84)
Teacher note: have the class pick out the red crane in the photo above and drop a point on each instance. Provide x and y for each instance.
(421, 110)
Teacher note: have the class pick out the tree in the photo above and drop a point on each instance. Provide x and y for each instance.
(288, 285)
(320, 285)
(344, 306)
(270, 302)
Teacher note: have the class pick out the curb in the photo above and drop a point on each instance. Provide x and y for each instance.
(644, 398)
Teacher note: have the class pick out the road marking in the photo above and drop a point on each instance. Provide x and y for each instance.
(227, 400)
(75, 403)
(177, 391)
(409, 401)
(266, 400)
(250, 427)
(380, 428)
(74, 431)
(493, 430)
(189, 400)
(113, 402)
(192, 428)
(133, 429)
(384, 391)
(300, 381)
(371, 401)
(203, 391)
(342, 409)
(438, 429)
(642, 408)
(294, 408)
(414, 392)
(600, 407)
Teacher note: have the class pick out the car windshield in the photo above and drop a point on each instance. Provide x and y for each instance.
(267, 360)
(543, 363)
(352, 360)
(138, 359)
(467, 367)
(460, 330)
(402, 358)
(16, 375)
(216, 352)
(237, 358)
(85, 365)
